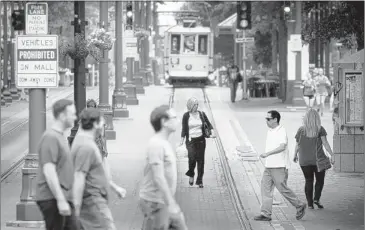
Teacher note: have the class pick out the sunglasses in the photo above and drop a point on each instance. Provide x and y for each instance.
(269, 118)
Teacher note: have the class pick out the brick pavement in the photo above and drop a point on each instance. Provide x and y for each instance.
(342, 195)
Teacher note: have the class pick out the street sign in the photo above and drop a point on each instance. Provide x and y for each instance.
(36, 61)
(245, 40)
(295, 43)
(130, 48)
(36, 18)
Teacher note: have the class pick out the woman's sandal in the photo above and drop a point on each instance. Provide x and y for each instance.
(191, 181)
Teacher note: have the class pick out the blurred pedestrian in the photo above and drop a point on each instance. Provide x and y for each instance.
(195, 128)
(158, 186)
(234, 77)
(275, 174)
(309, 91)
(322, 83)
(55, 172)
(313, 160)
(92, 175)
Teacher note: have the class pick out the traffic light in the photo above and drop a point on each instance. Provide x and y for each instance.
(244, 15)
(18, 19)
(129, 19)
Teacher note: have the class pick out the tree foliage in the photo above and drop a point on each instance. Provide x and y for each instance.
(262, 52)
(345, 22)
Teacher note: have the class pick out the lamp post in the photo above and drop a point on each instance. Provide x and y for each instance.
(6, 92)
(13, 90)
(79, 67)
(138, 74)
(104, 105)
(119, 96)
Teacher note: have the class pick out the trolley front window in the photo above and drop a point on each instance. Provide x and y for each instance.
(175, 43)
(189, 44)
(203, 44)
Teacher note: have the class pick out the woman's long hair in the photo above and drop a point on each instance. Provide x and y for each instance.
(311, 123)
(191, 103)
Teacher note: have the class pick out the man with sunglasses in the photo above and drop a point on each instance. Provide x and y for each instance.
(277, 162)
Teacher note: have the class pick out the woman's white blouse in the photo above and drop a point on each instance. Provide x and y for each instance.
(195, 126)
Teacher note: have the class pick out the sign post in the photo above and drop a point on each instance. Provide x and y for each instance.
(244, 40)
(36, 69)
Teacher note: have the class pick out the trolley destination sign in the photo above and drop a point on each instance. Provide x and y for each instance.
(37, 61)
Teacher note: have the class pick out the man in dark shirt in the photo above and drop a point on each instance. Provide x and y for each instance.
(234, 77)
(55, 173)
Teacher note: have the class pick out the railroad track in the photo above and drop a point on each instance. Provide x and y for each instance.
(20, 161)
(234, 195)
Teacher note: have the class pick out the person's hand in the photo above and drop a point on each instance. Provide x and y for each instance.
(77, 209)
(263, 155)
(64, 208)
(174, 208)
(332, 160)
(121, 192)
(295, 159)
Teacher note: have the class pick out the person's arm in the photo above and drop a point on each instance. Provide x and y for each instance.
(156, 160)
(183, 128)
(282, 141)
(82, 163)
(49, 152)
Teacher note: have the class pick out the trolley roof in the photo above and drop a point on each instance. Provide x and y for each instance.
(180, 29)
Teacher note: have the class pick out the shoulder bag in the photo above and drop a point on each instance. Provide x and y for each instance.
(207, 132)
(324, 162)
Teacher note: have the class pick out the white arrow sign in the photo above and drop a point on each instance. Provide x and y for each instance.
(244, 40)
(36, 18)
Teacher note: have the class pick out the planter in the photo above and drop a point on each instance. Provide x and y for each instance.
(61, 79)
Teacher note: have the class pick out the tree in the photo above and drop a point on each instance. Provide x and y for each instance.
(344, 21)
(262, 52)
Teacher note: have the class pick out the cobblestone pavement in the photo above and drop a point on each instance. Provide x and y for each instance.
(342, 197)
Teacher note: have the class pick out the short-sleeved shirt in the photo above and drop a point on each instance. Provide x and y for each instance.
(53, 148)
(160, 152)
(308, 145)
(88, 159)
(275, 137)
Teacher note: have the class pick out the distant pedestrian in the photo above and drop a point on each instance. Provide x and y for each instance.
(309, 91)
(158, 186)
(310, 139)
(92, 175)
(195, 128)
(322, 83)
(100, 139)
(275, 174)
(55, 173)
(234, 77)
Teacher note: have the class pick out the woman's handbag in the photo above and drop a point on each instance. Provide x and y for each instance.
(323, 163)
(207, 132)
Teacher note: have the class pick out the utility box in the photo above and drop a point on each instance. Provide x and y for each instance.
(348, 115)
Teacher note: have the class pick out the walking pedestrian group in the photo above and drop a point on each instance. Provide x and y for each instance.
(73, 186)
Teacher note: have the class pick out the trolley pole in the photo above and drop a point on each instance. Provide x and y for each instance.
(244, 83)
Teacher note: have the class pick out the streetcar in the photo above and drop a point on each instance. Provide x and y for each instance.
(188, 53)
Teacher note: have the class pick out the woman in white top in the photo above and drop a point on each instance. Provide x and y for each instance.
(309, 90)
(322, 83)
(193, 132)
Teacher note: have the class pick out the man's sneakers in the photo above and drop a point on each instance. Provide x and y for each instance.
(301, 212)
(262, 218)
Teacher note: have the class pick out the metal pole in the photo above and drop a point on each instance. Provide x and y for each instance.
(147, 43)
(130, 89)
(79, 68)
(119, 96)
(137, 24)
(6, 93)
(244, 84)
(1, 72)
(104, 79)
(13, 89)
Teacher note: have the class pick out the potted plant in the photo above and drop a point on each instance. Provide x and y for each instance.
(102, 39)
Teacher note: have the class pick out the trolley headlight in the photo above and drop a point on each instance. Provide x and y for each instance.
(188, 67)
(175, 61)
(167, 76)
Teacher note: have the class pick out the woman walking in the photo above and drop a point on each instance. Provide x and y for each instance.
(309, 91)
(322, 83)
(313, 160)
(195, 128)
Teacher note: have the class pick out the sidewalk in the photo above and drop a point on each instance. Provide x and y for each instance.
(342, 195)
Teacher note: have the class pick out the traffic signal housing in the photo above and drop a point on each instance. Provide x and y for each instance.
(244, 15)
(129, 18)
(18, 19)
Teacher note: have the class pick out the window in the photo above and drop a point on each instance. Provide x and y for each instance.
(175, 43)
(189, 44)
(203, 44)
